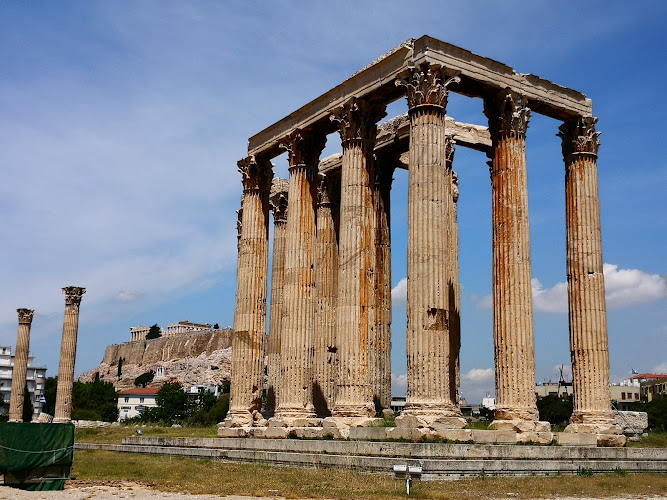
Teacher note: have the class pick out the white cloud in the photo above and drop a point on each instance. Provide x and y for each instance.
(661, 368)
(478, 375)
(626, 287)
(399, 384)
(623, 287)
(399, 294)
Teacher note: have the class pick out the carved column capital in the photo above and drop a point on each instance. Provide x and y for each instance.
(279, 208)
(426, 85)
(449, 150)
(323, 195)
(304, 148)
(455, 186)
(25, 316)
(579, 136)
(256, 174)
(73, 295)
(508, 114)
(357, 120)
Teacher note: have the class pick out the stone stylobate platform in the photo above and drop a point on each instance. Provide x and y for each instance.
(331, 333)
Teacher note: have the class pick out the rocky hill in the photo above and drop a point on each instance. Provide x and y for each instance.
(189, 358)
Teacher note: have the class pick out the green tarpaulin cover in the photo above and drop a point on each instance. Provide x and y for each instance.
(36, 456)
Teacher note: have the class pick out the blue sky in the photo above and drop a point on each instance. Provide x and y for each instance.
(121, 124)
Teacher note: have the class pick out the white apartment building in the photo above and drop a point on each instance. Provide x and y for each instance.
(133, 401)
(35, 378)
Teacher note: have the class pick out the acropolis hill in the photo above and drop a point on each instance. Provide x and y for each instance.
(197, 358)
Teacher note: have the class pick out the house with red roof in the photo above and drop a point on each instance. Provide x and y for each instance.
(134, 401)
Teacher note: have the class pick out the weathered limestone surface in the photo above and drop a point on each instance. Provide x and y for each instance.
(479, 75)
(589, 345)
(20, 365)
(513, 332)
(379, 348)
(63, 409)
(250, 317)
(192, 359)
(357, 125)
(326, 285)
(279, 194)
(296, 342)
(430, 358)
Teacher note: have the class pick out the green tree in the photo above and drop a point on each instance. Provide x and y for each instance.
(94, 401)
(144, 379)
(174, 402)
(555, 409)
(216, 327)
(50, 389)
(120, 367)
(28, 409)
(154, 332)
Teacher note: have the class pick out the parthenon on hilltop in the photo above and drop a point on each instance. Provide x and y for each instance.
(329, 339)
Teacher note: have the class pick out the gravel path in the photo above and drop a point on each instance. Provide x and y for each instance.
(120, 490)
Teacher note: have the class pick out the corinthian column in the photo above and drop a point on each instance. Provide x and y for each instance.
(296, 342)
(63, 411)
(326, 285)
(454, 286)
(513, 333)
(380, 342)
(357, 122)
(250, 315)
(20, 365)
(589, 346)
(429, 349)
(278, 202)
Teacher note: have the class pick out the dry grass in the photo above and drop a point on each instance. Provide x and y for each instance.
(115, 435)
(214, 477)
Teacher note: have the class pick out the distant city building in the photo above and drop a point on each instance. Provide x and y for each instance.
(652, 386)
(138, 333)
(489, 402)
(35, 378)
(134, 401)
(553, 389)
(186, 327)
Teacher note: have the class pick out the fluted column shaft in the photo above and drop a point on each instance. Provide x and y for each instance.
(430, 358)
(250, 316)
(589, 345)
(20, 368)
(326, 285)
(513, 332)
(356, 265)
(279, 206)
(297, 348)
(63, 409)
(455, 286)
(380, 342)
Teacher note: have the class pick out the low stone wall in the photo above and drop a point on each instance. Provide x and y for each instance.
(93, 424)
(437, 460)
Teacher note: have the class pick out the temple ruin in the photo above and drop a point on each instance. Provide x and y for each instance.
(329, 341)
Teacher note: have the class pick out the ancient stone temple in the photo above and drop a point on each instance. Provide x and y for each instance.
(329, 340)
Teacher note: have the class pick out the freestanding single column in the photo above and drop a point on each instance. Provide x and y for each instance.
(357, 122)
(326, 285)
(380, 342)
(250, 315)
(429, 349)
(296, 342)
(20, 365)
(513, 333)
(278, 202)
(589, 345)
(63, 411)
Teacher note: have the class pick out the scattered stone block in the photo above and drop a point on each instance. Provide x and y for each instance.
(461, 435)
(576, 439)
(369, 433)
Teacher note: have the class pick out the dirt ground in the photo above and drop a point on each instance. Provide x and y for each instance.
(121, 490)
